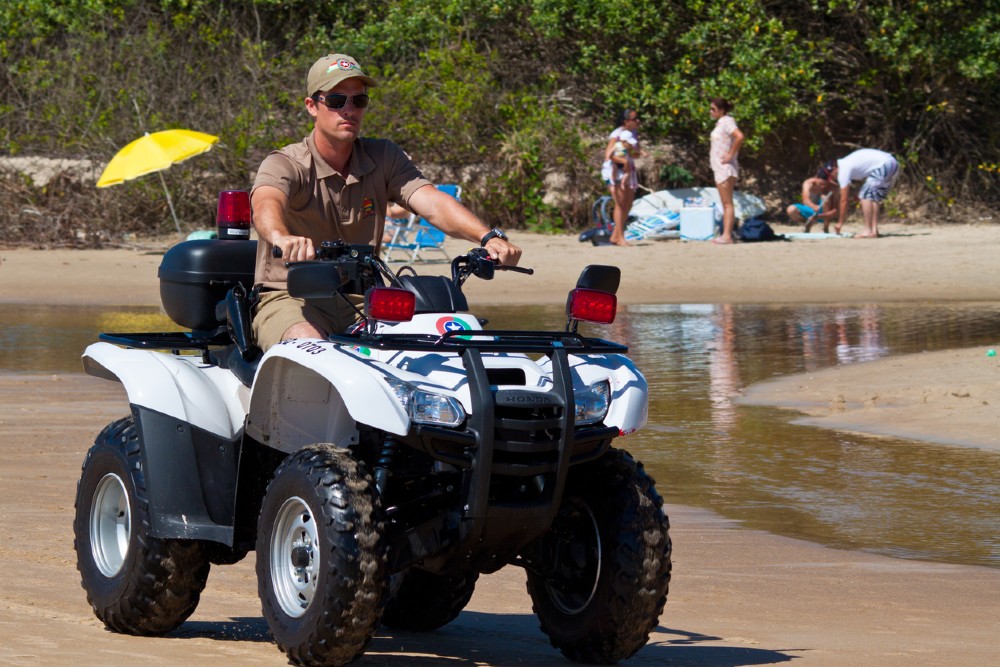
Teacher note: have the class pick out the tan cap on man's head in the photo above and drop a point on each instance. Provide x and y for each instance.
(331, 69)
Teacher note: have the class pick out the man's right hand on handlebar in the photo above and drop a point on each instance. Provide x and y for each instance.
(294, 248)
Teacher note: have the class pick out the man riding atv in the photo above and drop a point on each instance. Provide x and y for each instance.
(335, 185)
(375, 472)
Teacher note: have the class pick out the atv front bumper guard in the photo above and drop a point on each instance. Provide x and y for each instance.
(513, 438)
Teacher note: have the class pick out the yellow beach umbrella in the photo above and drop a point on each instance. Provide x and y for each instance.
(155, 152)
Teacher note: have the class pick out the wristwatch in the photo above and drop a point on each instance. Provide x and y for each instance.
(492, 234)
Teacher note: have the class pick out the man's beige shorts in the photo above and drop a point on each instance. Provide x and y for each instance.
(276, 311)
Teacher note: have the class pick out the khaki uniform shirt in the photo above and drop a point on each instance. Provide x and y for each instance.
(323, 206)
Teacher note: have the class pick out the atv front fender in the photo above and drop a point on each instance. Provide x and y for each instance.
(629, 392)
(312, 390)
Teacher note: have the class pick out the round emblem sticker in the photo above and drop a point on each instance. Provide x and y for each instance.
(446, 324)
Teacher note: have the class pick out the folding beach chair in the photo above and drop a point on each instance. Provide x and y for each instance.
(419, 235)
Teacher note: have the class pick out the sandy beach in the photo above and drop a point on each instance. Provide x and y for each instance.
(911, 263)
(738, 597)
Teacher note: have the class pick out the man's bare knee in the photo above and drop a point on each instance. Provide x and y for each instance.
(303, 330)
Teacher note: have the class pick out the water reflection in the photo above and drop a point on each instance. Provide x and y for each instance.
(52, 338)
(898, 497)
(723, 369)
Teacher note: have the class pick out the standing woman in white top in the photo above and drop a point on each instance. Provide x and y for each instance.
(726, 142)
(618, 171)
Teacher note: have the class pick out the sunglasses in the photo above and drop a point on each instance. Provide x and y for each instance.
(338, 100)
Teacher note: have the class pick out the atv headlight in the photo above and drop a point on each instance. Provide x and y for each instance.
(425, 407)
(592, 403)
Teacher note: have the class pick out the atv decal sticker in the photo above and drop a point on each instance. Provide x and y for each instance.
(448, 323)
(311, 348)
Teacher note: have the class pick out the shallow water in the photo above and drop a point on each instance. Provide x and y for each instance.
(896, 497)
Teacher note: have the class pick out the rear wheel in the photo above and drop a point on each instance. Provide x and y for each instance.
(321, 557)
(135, 583)
(424, 601)
(599, 577)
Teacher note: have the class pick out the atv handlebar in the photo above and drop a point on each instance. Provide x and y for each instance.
(354, 269)
(477, 262)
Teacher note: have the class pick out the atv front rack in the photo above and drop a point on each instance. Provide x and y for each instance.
(451, 341)
(485, 341)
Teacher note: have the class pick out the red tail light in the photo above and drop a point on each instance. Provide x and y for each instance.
(590, 305)
(233, 216)
(390, 304)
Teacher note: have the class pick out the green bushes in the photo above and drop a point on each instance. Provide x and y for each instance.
(511, 98)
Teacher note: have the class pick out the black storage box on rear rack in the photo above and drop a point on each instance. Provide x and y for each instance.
(195, 276)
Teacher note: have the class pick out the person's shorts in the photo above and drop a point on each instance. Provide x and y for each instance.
(608, 173)
(723, 172)
(276, 311)
(878, 184)
(806, 211)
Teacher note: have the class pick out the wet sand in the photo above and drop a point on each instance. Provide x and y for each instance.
(739, 597)
(951, 397)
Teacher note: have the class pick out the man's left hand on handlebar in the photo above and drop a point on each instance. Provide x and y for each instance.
(503, 252)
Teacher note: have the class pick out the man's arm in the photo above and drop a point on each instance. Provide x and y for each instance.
(845, 199)
(451, 217)
(831, 208)
(808, 191)
(269, 204)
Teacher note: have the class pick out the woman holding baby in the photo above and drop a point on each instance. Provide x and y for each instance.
(618, 170)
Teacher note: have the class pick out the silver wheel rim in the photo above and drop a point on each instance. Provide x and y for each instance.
(295, 559)
(575, 602)
(110, 525)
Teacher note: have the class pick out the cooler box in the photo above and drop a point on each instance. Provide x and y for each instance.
(697, 223)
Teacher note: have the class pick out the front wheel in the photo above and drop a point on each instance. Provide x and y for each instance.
(321, 557)
(135, 583)
(599, 577)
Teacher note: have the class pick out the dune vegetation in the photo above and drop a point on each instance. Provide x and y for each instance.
(511, 98)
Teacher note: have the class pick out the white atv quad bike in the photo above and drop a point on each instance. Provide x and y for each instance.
(376, 473)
